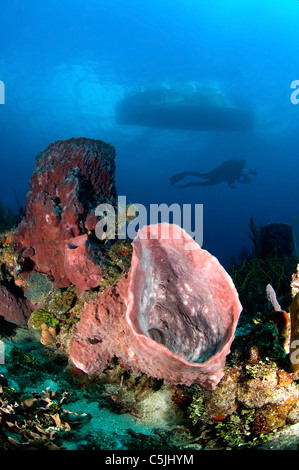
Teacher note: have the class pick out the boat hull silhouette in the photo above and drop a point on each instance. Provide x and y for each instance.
(140, 110)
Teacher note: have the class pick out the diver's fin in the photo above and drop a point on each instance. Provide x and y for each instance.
(198, 183)
(178, 177)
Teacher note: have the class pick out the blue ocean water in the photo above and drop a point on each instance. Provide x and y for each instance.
(66, 65)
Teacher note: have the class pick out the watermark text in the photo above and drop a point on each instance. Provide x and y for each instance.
(2, 92)
(295, 94)
(128, 219)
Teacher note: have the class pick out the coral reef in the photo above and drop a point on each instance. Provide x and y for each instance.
(60, 312)
(62, 308)
(174, 317)
(42, 317)
(252, 400)
(148, 331)
(9, 267)
(253, 270)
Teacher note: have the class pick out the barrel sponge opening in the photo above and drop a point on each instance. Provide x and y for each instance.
(180, 298)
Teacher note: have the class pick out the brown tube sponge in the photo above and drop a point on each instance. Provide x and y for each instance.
(173, 318)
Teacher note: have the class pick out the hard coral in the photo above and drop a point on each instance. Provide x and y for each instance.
(173, 318)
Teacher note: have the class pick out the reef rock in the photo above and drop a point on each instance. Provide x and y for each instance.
(173, 317)
(13, 308)
(70, 179)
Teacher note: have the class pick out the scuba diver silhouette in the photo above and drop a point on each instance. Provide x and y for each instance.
(231, 171)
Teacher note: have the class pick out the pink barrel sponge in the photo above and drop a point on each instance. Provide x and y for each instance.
(176, 316)
(71, 177)
(82, 263)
